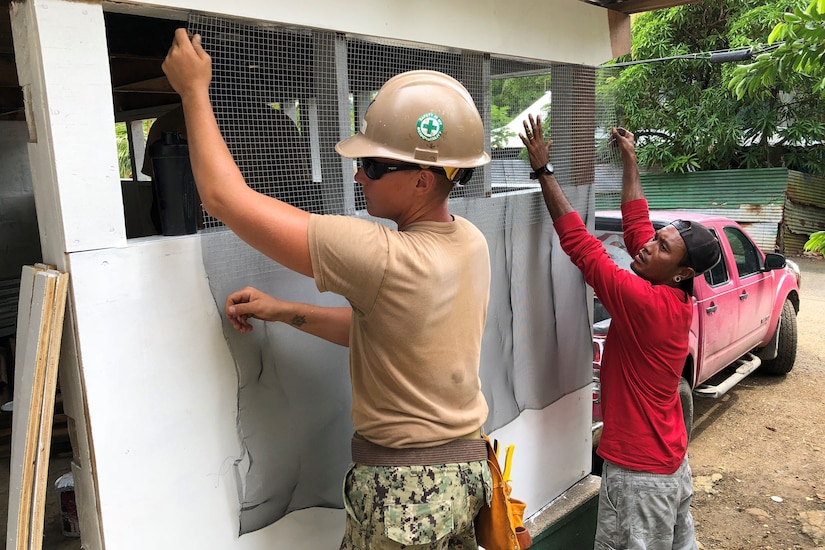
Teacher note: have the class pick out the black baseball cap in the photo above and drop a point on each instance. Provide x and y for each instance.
(703, 250)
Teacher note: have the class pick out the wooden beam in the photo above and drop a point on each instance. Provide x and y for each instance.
(620, 39)
(637, 6)
(152, 85)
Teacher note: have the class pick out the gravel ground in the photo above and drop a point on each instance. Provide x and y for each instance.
(757, 453)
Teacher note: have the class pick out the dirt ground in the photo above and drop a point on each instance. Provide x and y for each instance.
(758, 452)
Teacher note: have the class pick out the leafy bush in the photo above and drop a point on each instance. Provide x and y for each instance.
(816, 243)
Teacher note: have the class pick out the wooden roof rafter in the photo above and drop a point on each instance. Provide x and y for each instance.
(637, 6)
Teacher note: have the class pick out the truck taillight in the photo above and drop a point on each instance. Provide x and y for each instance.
(597, 352)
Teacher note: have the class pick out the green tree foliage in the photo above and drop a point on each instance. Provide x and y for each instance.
(498, 120)
(816, 243)
(510, 96)
(682, 111)
(513, 95)
(795, 60)
(124, 160)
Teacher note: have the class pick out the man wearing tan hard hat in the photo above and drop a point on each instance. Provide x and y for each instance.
(418, 296)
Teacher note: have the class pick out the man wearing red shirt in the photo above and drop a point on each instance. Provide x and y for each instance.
(646, 489)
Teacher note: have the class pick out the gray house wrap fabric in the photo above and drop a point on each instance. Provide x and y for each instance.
(294, 391)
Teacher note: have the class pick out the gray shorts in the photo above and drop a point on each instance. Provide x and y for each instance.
(644, 511)
(414, 507)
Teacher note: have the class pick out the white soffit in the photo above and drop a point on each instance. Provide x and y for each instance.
(567, 31)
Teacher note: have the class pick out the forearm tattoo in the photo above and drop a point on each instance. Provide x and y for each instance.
(298, 321)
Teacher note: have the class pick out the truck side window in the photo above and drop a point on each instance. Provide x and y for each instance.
(744, 252)
(719, 274)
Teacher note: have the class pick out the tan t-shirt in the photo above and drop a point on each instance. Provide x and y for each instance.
(419, 300)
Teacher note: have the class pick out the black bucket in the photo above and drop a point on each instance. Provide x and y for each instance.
(174, 185)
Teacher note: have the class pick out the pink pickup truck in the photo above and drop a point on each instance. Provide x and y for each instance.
(744, 315)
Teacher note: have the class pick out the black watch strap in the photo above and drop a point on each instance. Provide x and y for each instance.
(546, 169)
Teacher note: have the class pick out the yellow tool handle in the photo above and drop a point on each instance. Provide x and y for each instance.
(508, 459)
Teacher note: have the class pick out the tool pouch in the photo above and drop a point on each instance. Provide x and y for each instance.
(500, 526)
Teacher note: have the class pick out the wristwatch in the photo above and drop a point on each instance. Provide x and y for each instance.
(546, 169)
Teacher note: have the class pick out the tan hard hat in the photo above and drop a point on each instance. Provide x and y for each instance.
(421, 117)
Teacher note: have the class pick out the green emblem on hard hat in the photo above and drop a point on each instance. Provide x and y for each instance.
(429, 127)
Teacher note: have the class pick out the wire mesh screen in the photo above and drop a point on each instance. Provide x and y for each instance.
(607, 184)
(267, 91)
(283, 97)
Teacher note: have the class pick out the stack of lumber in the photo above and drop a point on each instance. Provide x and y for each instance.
(41, 308)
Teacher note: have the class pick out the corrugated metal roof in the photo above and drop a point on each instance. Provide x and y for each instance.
(806, 189)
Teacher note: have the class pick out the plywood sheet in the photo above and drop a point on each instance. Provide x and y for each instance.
(34, 307)
(41, 306)
(46, 410)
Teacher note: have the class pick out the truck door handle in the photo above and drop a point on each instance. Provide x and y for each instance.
(711, 309)
(743, 296)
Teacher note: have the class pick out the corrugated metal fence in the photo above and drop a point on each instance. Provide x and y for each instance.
(778, 207)
(804, 209)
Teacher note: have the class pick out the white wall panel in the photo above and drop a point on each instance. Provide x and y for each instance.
(552, 449)
(567, 31)
(72, 150)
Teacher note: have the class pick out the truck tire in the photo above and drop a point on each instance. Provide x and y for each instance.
(786, 351)
(686, 397)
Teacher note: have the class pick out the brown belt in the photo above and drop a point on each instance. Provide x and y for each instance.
(459, 450)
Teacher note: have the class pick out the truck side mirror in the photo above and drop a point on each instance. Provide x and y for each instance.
(773, 261)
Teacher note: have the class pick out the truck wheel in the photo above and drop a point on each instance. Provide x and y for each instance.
(786, 352)
(686, 397)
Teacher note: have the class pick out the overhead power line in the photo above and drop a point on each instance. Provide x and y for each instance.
(719, 56)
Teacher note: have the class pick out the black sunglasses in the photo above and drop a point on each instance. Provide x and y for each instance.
(376, 170)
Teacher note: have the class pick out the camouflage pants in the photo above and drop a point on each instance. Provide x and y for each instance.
(414, 507)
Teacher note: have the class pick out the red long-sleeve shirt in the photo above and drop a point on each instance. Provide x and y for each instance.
(644, 351)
